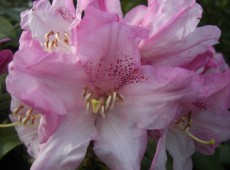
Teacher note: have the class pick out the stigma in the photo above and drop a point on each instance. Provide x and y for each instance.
(185, 123)
(102, 104)
(56, 40)
(25, 117)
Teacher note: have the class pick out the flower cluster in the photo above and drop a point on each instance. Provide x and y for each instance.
(91, 74)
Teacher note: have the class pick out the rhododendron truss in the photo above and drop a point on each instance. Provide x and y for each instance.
(79, 78)
(99, 92)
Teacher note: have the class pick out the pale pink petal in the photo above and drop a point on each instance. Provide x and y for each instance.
(216, 91)
(154, 103)
(221, 63)
(28, 135)
(199, 63)
(183, 51)
(66, 148)
(181, 147)
(167, 15)
(65, 3)
(210, 125)
(108, 62)
(92, 20)
(119, 144)
(110, 6)
(135, 16)
(45, 88)
(47, 126)
(26, 41)
(160, 157)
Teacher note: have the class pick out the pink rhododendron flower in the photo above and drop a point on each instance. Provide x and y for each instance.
(43, 18)
(174, 37)
(201, 126)
(79, 78)
(100, 93)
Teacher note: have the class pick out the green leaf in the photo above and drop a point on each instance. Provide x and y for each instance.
(225, 154)
(146, 163)
(2, 83)
(6, 29)
(8, 141)
(212, 162)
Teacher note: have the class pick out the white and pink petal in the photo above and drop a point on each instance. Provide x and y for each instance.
(119, 144)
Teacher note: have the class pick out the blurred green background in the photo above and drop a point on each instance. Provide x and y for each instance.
(13, 154)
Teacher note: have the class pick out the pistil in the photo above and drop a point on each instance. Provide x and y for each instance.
(185, 123)
(100, 105)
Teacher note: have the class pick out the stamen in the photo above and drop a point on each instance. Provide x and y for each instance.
(27, 117)
(88, 96)
(121, 97)
(113, 100)
(184, 124)
(47, 35)
(107, 102)
(87, 107)
(102, 104)
(84, 92)
(18, 109)
(102, 111)
(53, 40)
(63, 43)
(23, 118)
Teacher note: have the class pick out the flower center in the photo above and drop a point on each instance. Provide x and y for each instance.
(100, 105)
(56, 40)
(27, 118)
(185, 123)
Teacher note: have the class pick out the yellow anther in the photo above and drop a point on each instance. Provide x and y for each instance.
(47, 35)
(53, 40)
(121, 97)
(18, 109)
